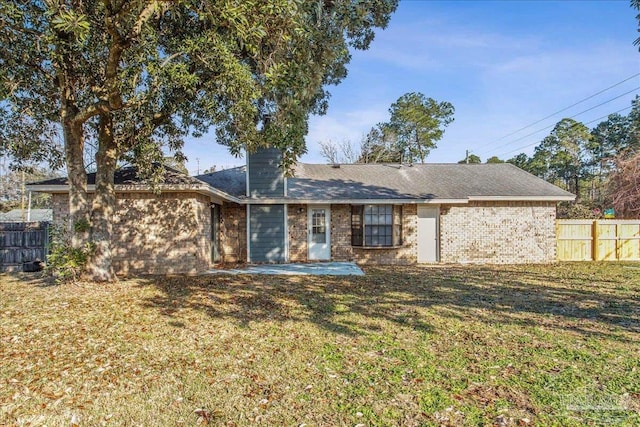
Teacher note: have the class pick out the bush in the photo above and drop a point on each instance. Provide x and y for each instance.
(572, 210)
(64, 262)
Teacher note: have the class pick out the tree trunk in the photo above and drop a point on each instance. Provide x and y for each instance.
(78, 201)
(100, 266)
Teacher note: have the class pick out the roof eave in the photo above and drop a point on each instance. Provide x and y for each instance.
(307, 201)
(558, 198)
(216, 193)
(202, 189)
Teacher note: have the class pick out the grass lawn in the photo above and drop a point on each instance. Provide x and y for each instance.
(447, 345)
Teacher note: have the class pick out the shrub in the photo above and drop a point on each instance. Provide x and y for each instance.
(64, 262)
(572, 210)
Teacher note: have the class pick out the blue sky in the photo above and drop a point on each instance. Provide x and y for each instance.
(502, 64)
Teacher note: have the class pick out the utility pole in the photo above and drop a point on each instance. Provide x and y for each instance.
(466, 157)
(198, 163)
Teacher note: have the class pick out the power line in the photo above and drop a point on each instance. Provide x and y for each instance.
(550, 126)
(587, 123)
(562, 110)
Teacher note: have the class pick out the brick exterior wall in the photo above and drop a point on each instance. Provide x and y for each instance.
(298, 239)
(167, 233)
(170, 233)
(60, 208)
(498, 232)
(341, 249)
(233, 233)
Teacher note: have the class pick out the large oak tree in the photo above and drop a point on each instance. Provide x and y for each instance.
(136, 76)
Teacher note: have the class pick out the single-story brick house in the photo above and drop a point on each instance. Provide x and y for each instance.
(368, 213)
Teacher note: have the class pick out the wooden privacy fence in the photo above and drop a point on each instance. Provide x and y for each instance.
(22, 242)
(598, 240)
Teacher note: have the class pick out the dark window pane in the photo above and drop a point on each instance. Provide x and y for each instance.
(382, 225)
(319, 237)
(356, 225)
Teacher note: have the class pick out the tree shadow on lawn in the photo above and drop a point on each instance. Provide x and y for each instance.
(580, 302)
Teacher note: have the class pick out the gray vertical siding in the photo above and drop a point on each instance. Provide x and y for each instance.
(267, 233)
(266, 178)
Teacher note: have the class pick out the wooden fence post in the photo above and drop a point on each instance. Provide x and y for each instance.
(618, 245)
(594, 241)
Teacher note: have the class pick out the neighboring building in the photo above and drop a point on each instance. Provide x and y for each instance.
(373, 213)
(26, 215)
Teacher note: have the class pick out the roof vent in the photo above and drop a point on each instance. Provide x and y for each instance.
(336, 165)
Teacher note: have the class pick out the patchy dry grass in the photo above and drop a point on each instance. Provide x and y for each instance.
(529, 345)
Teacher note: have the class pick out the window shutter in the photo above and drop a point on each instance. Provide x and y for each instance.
(356, 225)
(397, 225)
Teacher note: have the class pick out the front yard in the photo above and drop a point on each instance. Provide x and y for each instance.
(451, 345)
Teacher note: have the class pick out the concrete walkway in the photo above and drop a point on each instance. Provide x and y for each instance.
(313, 269)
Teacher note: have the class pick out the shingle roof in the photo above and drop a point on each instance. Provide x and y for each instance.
(232, 181)
(128, 176)
(321, 182)
(394, 181)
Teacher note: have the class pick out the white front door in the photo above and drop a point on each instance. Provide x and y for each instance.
(428, 234)
(319, 226)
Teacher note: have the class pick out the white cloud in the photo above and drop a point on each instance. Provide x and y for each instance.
(500, 72)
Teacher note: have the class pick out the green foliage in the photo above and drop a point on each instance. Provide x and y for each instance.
(589, 162)
(610, 137)
(81, 226)
(636, 5)
(494, 159)
(471, 159)
(69, 21)
(11, 187)
(64, 262)
(566, 148)
(380, 145)
(176, 163)
(562, 157)
(521, 160)
(162, 70)
(581, 210)
(137, 77)
(418, 122)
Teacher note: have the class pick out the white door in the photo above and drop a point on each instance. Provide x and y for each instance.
(319, 226)
(428, 234)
